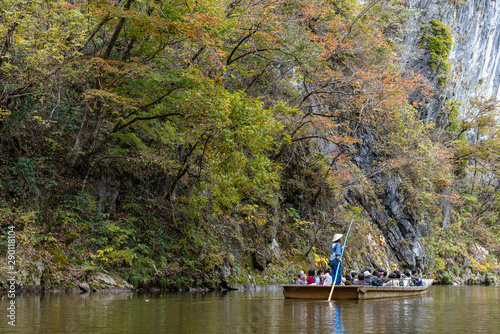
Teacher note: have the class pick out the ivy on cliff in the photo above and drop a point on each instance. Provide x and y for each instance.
(437, 39)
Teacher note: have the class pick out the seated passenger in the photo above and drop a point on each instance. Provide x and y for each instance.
(407, 278)
(401, 280)
(301, 280)
(361, 279)
(354, 276)
(415, 279)
(328, 277)
(310, 279)
(384, 276)
(321, 277)
(392, 281)
(368, 277)
(348, 279)
(376, 280)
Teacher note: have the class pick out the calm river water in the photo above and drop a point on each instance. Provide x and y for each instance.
(443, 310)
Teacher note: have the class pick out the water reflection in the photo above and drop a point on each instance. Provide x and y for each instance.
(444, 309)
(336, 314)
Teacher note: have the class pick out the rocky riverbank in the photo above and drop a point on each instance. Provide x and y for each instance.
(104, 283)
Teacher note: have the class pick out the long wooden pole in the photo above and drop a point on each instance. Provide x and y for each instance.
(338, 266)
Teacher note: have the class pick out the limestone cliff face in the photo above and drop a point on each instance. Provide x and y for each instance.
(399, 228)
(474, 66)
(475, 54)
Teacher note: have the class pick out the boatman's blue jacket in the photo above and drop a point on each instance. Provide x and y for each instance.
(336, 251)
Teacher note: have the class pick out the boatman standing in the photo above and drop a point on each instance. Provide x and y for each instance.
(335, 261)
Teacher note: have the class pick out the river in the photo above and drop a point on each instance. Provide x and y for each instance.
(445, 309)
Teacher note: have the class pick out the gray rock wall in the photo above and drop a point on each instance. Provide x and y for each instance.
(400, 229)
(474, 60)
(475, 56)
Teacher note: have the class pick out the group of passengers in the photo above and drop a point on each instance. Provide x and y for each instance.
(377, 277)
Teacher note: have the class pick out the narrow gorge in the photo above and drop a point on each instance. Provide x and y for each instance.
(201, 144)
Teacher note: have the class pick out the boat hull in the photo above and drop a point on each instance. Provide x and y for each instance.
(352, 292)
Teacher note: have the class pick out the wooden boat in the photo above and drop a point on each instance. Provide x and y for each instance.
(354, 292)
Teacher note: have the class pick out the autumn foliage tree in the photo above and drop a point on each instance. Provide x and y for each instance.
(216, 112)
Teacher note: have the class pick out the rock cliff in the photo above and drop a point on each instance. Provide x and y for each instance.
(474, 57)
(473, 67)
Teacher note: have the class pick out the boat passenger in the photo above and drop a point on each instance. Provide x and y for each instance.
(321, 277)
(392, 281)
(354, 276)
(407, 277)
(361, 279)
(348, 280)
(310, 279)
(328, 277)
(301, 280)
(376, 280)
(368, 277)
(401, 280)
(416, 280)
(317, 280)
(384, 277)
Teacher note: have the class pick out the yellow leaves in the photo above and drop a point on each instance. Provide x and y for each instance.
(319, 261)
(117, 71)
(45, 34)
(484, 266)
(111, 98)
(4, 114)
(262, 222)
(302, 225)
(43, 122)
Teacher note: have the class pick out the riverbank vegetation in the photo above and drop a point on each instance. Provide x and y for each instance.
(184, 143)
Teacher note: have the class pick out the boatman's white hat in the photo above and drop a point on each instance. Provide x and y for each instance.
(337, 237)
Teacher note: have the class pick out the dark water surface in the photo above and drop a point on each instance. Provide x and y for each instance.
(442, 310)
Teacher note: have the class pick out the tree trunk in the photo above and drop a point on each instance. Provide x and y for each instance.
(118, 29)
(79, 137)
